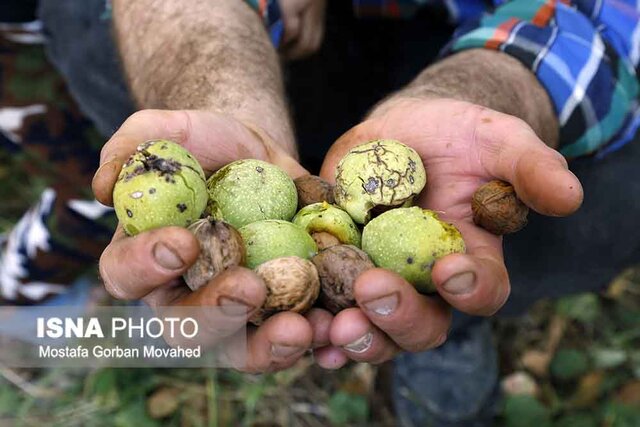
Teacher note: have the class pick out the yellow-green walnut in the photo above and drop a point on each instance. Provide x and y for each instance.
(323, 217)
(161, 184)
(408, 241)
(376, 176)
(247, 191)
(270, 239)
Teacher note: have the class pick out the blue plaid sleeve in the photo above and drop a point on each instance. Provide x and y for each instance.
(269, 11)
(584, 53)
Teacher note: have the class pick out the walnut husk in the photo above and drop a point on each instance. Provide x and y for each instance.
(292, 285)
(313, 189)
(497, 208)
(221, 247)
(338, 267)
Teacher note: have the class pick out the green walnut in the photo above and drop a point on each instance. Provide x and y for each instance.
(270, 239)
(247, 191)
(409, 241)
(325, 218)
(161, 184)
(377, 176)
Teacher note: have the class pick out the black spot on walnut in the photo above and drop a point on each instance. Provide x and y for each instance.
(181, 207)
(371, 185)
(129, 213)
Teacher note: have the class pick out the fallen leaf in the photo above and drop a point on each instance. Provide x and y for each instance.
(163, 402)
(629, 394)
(537, 362)
(619, 286)
(520, 383)
(557, 328)
(588, 389)
(361, 380)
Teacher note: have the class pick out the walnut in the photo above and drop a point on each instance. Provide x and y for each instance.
(292, 285)
(497, 208)
(313, 189)
(338, 267)
(221, 247)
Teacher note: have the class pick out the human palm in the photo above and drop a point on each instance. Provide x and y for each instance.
(462, 146)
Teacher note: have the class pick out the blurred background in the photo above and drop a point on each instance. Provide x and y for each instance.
(572, 362)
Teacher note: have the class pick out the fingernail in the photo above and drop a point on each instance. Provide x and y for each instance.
(166, 257)
(441, 339)
(234, 307)
(360, 345)
(462, 283)
(383, 306)
(109, 168)
(283, 351)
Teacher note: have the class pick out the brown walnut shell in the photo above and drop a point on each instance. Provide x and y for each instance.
(221, 247)
(338, 267)
(497, 208)
(313, 189)
(292, 285)
(324, 240)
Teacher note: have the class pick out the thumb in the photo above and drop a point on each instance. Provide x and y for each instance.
(357, 135)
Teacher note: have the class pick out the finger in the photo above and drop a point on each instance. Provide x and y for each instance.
(360, 340)
(320, 321)
(330, 357)
(510, 150)
(278, 342)
(291, 29)
(131, 267)
(359, 134)
(476, 282)
(414, 321)
(304, 45)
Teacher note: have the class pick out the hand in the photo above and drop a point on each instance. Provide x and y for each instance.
(150, 265)
(303, 27)
(462, 146)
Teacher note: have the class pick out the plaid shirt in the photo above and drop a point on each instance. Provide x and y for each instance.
(584, 52)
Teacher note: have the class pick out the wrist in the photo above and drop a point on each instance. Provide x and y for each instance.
(487, 78)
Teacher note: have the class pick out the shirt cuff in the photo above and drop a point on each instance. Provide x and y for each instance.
(269, 11)
(592, 85)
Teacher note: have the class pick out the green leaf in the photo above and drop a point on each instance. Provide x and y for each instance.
(525, 411)
(134, 414)
(577, 420)
(9, 400)
(345, 408)
(607, 358)
(584, 308)
(618, 415)
(569, 364)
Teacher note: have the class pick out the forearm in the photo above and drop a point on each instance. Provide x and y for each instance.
(206, 55)
(488, 78)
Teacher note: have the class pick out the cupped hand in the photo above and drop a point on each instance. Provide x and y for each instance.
(303, 27)
(462, 146)
(149, 266)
